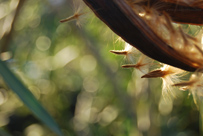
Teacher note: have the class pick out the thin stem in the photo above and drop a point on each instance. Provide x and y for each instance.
(7, 38)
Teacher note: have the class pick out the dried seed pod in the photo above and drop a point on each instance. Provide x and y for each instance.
(195, 86)
(190, 3)
(182, 11)
(73, 17)
(135, 29)
(142, 64)
(78, 13)
(170, 76)
(129, 52)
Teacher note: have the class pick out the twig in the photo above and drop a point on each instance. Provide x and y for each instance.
(7, 38)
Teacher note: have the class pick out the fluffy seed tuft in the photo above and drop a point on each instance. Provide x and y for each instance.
(142, 64)
(170, 76)
(129, 52)
(78, 13)
(194, 85)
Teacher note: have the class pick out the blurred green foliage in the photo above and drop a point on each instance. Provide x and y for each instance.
(72, 73)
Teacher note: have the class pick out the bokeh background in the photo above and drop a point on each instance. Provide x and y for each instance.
(81, 84)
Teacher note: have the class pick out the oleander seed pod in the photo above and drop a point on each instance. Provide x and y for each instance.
(148, 26)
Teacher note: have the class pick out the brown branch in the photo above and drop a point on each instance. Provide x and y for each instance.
(8, 37)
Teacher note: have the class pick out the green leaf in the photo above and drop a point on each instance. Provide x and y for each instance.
(28, 98)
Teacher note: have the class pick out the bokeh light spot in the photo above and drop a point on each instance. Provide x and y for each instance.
(165, 107)
(88, 63)
(34, 130)
(43, 43)
(5, 56)
(64, 56)
(91, 84)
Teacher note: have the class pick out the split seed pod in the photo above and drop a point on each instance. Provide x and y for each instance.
(124, 21)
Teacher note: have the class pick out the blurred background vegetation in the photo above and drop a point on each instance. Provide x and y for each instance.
(80, 83)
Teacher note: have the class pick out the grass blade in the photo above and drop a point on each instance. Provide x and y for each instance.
(28, 98)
